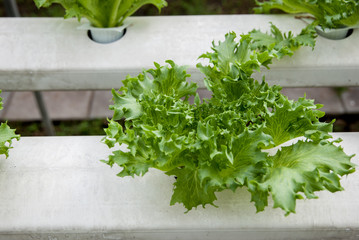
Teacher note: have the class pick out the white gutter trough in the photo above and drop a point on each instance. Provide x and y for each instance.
(52, 54)
(56, 188)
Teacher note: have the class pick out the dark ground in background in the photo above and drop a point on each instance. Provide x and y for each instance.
(175, 7)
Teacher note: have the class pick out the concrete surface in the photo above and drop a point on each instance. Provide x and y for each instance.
(56, 188)
(351, 100)
(22, 106)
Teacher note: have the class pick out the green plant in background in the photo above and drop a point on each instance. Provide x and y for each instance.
(101, 13)
(183, 7)
(327, 13)
(6, 136)
(222, 143)
(279, 44)
(199, 7)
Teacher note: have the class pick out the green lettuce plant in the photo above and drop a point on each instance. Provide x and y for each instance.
(222, 143)
(327, 14)
(101, 13)
(6, 136)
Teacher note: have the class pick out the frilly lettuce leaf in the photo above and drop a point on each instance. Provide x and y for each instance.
(280, 44)
(289, 120)
(6, 136)
(221, 143)
(189, 190)
(328, 14)
(304, 167)
(101, 13)
(231, 61)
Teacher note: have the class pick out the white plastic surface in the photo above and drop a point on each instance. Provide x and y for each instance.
(56, 188)
(334, 34)
(51, 54)
(104, 35)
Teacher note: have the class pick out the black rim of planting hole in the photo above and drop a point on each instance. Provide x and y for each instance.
(350, 32)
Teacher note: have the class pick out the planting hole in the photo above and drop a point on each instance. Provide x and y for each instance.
(335, 34)
(105, 37)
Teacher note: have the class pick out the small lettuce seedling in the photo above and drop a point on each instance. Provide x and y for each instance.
(327, 14)
(101, 13)
(221, 143)
(6, 136)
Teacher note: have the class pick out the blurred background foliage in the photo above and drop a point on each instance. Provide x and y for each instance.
(175, 7)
